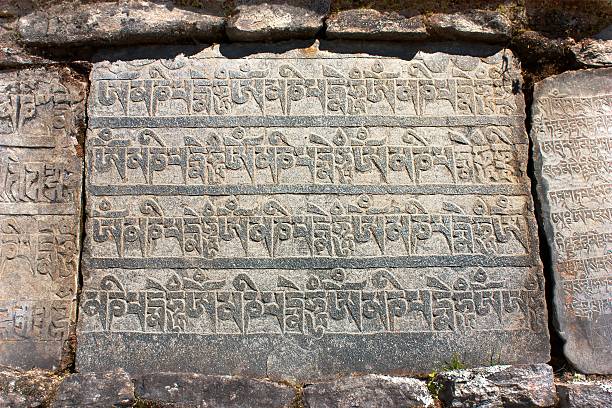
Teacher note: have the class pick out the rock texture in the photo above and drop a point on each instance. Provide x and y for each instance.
(255, 20)
(585, 394)
(33, 388)
(498, 386)
(572, 159)
(194, 390)
(474, 25)
(370, 391)
(596, 51)
(117, 23)
(41, 168)
(109, 389)
(370, 24)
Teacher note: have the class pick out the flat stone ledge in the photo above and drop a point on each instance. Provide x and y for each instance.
(370, 24)
(254, 20)
(475, 25)
(121, 23)
(498, 386)
(109, 389)
(596, 394)
(196, 390)
(369, 391)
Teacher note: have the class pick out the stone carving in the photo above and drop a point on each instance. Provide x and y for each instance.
(245, 213)
(41, 117)
(572, 143)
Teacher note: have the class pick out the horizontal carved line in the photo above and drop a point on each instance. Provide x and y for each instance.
(301, 121)
(314, 263)
(169, 190)
(17, 208)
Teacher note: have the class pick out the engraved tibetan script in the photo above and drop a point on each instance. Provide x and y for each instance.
(309, 206)
(573, 150)
(41, 115)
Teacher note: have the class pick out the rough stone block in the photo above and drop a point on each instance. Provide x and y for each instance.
(117, 23)
(571, 131)
(34, 388)
(194, 390)
(474, 25)
(585, 394)
(498, 386)
(41, 166)
(369, 391)
(255, 20)
(596, 51)
(307, 214)
(370, 24)
(109, 389)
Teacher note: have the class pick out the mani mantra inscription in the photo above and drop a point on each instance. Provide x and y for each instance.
(309, 213)
(573, 154)
(41, 114)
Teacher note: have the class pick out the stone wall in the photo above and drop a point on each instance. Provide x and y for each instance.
(305, 203)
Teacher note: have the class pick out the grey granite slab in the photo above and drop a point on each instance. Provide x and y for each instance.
(41, 166)
(572, 128)
(308, 213)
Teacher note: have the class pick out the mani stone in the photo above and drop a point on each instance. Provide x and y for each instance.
(195, 390)
(299, 215)
(369, 391)
(41, 165)
(572, 136)
(498, 386)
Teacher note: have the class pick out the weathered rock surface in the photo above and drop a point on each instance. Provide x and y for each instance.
(109, 389)
(34, 388)
(334, 255)
(596, 51)
(585, 394)
(572, 135)
(498, 386)
(474, 25)
(12, 54)
(369, 391)
(370, 24)
(41, 166)
(195, 390)
(118, 23)
(255, 20)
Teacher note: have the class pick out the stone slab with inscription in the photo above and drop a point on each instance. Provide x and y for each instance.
(572, 134)
(303, 214)
(41, 166)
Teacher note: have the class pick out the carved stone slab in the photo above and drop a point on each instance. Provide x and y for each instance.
(309, 213)
(41, 166)
(572, 134)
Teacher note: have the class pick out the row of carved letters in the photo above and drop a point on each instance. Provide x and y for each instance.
(30, 320)
(579, 197)
(570, 247)
(580, 147)
(18, 109)
(36, 182)
(565, 106)
(573, 128)
(584, 167)
(334, 96)
(312, 312)
(324, 236)
(586, 267)
(492, 163)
